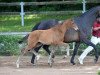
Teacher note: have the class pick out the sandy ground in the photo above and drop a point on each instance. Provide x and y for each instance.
(60, 67)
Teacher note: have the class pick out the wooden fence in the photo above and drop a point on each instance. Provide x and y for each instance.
(22, 4)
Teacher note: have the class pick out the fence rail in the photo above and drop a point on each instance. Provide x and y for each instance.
(41, 12)
(47, 3)
(13, 33)
(39, 3)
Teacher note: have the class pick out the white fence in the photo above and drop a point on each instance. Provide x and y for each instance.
(14, 33)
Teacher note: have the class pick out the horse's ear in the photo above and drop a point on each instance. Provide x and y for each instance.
(72, 21)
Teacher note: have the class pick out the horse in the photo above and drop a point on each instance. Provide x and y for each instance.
(42, 25)
(55, 37)
(84, 23)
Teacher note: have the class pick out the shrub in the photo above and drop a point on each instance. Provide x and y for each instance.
(9, 45)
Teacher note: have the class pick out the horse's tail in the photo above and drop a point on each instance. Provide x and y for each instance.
(23, 39)
(26, 37)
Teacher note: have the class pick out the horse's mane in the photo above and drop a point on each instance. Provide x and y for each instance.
(89, 11)
(56, 27)
(59, 25)
(86, 20)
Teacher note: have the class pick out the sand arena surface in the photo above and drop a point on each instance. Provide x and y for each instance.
(60, 67)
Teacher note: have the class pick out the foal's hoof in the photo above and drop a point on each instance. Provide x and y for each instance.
(53, 56)
(34, 64)
(37, 57)
(50, 64)
(65, 57)
(17, 65)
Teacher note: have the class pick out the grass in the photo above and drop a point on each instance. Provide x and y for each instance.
(12, 23)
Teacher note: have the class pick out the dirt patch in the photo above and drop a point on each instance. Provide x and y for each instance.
(60, 67)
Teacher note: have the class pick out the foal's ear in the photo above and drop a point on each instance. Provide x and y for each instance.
(72, 22)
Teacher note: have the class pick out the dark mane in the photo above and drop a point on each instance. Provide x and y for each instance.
(86, 20)
(89, 11)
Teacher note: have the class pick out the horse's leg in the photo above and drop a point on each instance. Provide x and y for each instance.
(18, 60)
(32, 45)
(36, 54)
(46, 47)
(51, 56)
(23, 51)
(95, 41)
(86, 41)
(51, 59)
(33, 56)
(67, 50)
(77, 44)
(66, 45)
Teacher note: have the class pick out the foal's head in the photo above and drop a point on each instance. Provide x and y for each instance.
(70, 24)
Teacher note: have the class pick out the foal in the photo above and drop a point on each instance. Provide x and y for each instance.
(52, 36)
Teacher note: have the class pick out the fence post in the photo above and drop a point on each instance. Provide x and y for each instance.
(84, 6)
(22, 13)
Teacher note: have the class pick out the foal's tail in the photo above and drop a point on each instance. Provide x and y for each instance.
(23, 39)
(26, 37)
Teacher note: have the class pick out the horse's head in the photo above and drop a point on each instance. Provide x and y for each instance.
(70, 23)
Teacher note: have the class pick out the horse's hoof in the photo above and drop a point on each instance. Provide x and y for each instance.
(80, 61)
(34, 64)
(17, 65)
(72, 62)
(95, 60)
(50, 64)
(65, 57)
(53, 56)
(37, 57)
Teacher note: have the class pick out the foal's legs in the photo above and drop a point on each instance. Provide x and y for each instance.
(77, 44)
(18, 60)
(25, 50)
(67, 50)
(51, 60)
(33, 56)
(51, 55)
(45, 47)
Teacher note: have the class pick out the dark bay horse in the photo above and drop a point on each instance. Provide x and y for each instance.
(84, 22)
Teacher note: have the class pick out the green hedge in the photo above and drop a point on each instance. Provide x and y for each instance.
(9, 46)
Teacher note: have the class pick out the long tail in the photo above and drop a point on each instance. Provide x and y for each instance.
(26, 37)
(23, 39)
